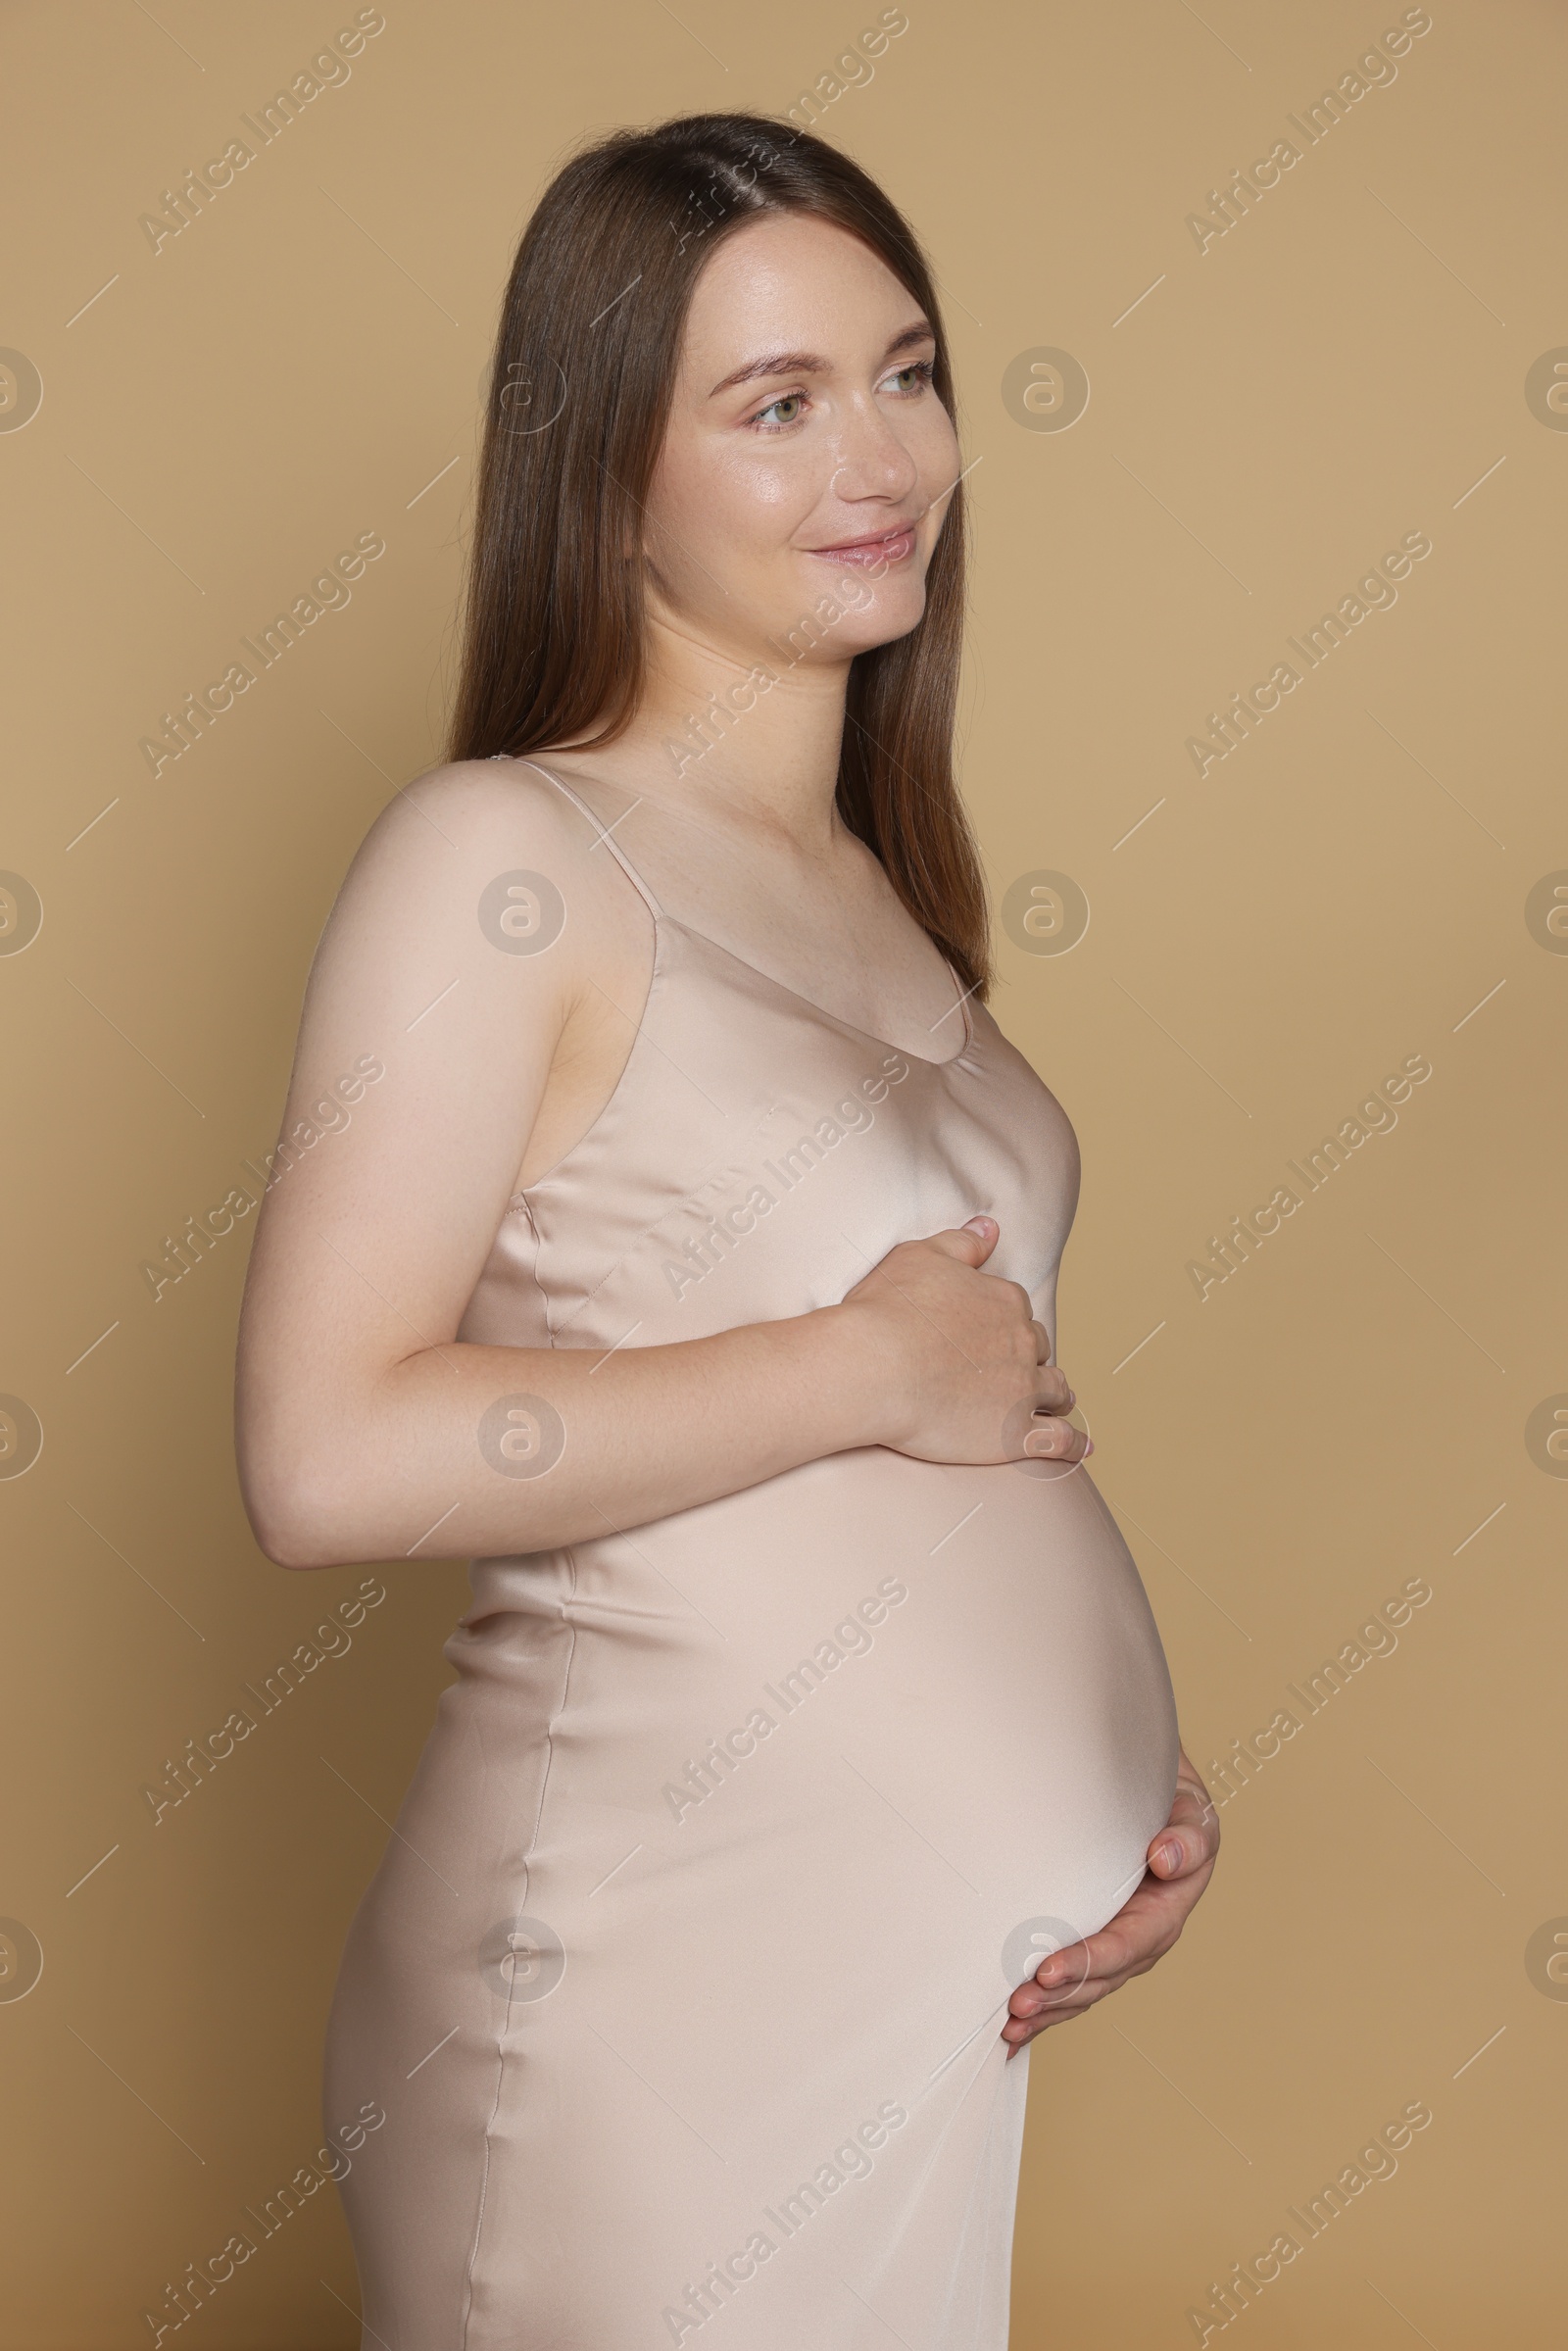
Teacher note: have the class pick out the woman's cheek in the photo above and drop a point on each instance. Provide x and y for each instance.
(758, 498)
(790, 492)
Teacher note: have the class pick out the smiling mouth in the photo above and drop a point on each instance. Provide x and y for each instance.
(891, 547)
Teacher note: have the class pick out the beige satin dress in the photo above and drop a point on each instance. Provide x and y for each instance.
(682, 1980)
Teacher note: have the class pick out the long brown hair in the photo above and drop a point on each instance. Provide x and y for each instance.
(554, 628)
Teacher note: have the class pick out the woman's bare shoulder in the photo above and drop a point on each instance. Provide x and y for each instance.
(475, 802)
(469, 831)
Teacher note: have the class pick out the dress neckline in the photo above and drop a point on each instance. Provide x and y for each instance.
(923, 1061)
(661, 914)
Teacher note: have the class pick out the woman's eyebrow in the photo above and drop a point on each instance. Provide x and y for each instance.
(810, 362)
(774, 363)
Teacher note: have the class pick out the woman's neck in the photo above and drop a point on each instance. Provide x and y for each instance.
(715, 740)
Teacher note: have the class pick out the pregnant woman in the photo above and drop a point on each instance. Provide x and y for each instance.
(691, 1263)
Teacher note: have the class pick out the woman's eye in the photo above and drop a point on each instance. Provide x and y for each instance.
(788, 410)
(790, 400)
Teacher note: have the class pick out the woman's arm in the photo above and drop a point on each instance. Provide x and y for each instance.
(359, 1414)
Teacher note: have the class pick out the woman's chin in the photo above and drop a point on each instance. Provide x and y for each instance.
(819, 640)
(885, 629)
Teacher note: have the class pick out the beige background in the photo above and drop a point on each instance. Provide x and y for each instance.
(301, 364)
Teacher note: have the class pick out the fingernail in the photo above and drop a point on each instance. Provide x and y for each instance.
(1089, 1448)
(1170, 1855)
(981, 1224)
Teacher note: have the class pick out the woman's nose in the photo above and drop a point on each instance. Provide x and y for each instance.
(870, 459)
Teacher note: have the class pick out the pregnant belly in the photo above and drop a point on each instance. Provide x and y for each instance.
(884, 1713)
(999, 1685)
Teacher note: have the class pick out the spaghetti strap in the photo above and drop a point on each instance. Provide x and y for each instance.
(606, 833)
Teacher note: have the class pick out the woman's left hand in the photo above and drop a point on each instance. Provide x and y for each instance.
(1181, 1862)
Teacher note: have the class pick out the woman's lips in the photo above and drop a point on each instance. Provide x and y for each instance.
(891, 548)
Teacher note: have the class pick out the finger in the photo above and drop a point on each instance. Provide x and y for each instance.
(1061, 1975)
(971, 1244)
(1046, 1437)
(1177, 1856)
(1197, 1814)
(1018, 2035)
(1190, 1839)
(1192, 1801)
(1021, 2028)
(1057, 1979)
(1142, 1931)
(1017, 2032)
(1030, 2001)
(1052, 1381)
(1032, 2016)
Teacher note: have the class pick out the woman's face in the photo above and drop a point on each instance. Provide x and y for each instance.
(802, 502)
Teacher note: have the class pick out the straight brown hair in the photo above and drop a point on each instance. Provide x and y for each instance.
(554, 638)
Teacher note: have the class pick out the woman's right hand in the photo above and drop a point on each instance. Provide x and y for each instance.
(968, 1369)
